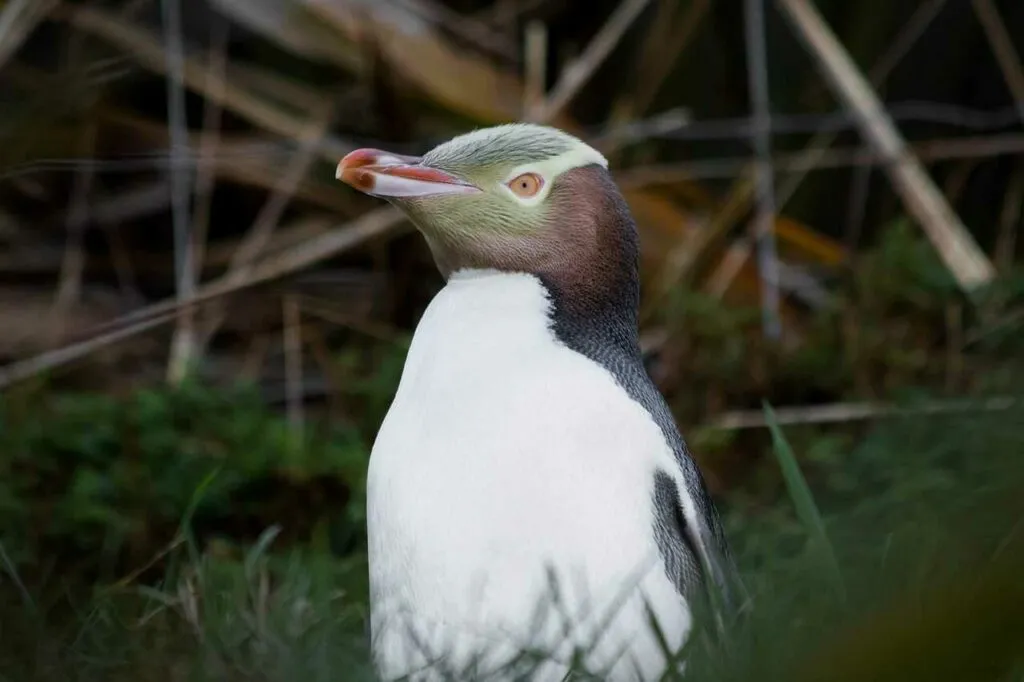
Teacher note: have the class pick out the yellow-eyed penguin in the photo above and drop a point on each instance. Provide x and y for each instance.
(528, 458)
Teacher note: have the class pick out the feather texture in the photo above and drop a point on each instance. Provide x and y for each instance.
(508, 458)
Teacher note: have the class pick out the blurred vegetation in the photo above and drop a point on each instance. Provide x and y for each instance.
(188, 531)
(158, 524)
(923, 514)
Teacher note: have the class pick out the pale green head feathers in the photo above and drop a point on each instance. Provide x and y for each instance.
(492, 159)
(496, 155)
(493, 190)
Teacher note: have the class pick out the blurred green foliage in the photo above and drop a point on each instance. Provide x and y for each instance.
(102, 482)
(924, 515)
(190, 533)
(926, 518)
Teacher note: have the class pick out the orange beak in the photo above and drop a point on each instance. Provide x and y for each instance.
(392, 176)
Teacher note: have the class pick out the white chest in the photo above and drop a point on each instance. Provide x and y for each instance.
(506, 460)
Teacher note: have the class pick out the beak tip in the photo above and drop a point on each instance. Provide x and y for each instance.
(393, 176)
(348, 170)
(357, 178)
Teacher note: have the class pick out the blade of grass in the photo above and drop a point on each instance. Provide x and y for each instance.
(260, 549)
(12, 571)
(803, 500)
(185, 529)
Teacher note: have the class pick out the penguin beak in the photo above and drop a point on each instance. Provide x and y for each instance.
(395, 176)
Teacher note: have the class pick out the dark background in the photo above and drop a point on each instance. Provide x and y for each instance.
(165, 515)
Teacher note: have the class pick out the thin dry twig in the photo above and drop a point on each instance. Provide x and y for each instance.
(907, 38)
(230, 91)
(660, 68)
(877, 74)
(956, 181)
(292, 336)
(323, 357)
(579, 71)
(1010, 220)
(182, 342)
(798, 163)
(368, 226)
(736, 256)
(848, 412)
(659, 52)
(818, 147)
(263, 227)
(857, 206)
(535, 54)
(505, 12)
(209, 142)
(685, 258)
(827, 122)
(764, 234)
(18, 18)
(293, 27)
(246, 158)
(468, 28)
(130, 203)
(119, 257)
(177, 541)
(961, 254)
(318, 308)
(255, 357)
(73, 263)
(1003, 49)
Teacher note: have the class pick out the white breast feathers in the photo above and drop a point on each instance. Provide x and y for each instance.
(507, 462)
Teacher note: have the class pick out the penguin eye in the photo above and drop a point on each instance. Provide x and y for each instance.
(526, 185)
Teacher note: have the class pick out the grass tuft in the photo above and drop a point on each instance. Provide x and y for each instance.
(803, 502)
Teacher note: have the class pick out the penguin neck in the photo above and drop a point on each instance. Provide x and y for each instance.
(585, 256)
(527, 306)
(595, 289)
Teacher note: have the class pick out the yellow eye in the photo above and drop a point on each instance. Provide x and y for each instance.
(526, 185)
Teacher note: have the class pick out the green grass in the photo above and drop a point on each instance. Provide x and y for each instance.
(914, 574)
(899, 559)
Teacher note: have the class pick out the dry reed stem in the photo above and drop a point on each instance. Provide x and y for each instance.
(1002, 47)
(847, 412)
(816, 150)
(259, 235)
(230, 91)
(762, 232)
(370, 225)
(798, 163)
(535, 53)
(1009, 221)
(18, 19)
(69, 285)
(579, 71)
(292, 336)
(183, 340)
(942, 226)
(184, 344)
